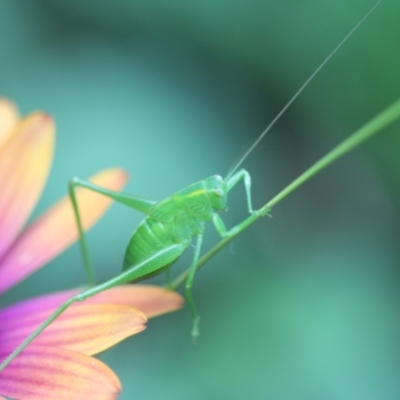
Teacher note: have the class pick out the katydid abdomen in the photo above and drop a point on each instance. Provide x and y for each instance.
(150, 238)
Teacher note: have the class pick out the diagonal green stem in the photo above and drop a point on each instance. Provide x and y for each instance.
(365, 132)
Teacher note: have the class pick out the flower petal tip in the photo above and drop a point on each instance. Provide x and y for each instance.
(8, 108)
(113, 178)
(37, 123)
(41, 372)
(9, 117)
(152, 300)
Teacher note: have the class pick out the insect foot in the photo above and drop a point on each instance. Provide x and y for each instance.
(262, 212)
(195, 329)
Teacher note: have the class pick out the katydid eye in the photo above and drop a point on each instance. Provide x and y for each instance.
(219, 192)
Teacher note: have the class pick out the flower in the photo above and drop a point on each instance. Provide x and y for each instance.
(58, 363)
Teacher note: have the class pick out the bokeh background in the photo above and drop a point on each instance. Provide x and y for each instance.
(301, 306)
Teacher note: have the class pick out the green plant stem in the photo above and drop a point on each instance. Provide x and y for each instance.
(365, 132)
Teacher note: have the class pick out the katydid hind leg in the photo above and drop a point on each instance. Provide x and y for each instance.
(82, 238)
(135, 202)
(137, 272)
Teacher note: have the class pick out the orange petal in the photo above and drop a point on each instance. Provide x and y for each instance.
(56, 229)
(49, 373)
(87, 328)
(25, 161)
(152, 300)
(8, 119)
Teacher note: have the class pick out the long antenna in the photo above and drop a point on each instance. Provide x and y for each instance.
(303, 86)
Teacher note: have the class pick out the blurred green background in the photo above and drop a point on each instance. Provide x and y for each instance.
(301, 306)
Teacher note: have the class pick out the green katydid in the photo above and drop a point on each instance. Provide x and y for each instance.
(172, 224)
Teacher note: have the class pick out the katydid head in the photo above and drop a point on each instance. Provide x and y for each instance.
(217, 191)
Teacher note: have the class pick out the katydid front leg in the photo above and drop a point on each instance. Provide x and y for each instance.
(189, 284)
(237, 177)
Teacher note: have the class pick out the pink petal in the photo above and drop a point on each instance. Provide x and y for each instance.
(25, 161)
(56, 229)
(87, 328)
(151, 300)
(49, 373)
(8, 119)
